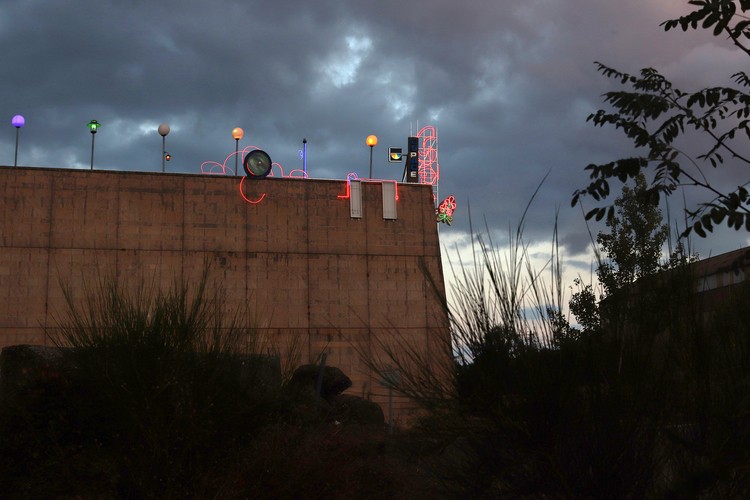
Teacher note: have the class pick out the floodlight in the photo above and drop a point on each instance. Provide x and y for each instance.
(257, 164)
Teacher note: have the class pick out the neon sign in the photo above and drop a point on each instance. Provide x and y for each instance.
(216, 168)
(353, 176)
(244, 196)
(446, 209)
(349, 177)
(429, 168)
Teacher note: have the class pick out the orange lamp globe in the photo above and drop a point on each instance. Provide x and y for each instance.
(238, 133)
(372, 140)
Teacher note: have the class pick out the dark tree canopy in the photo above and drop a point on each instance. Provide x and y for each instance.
(630, 250)
(633, 245)
(654, 114)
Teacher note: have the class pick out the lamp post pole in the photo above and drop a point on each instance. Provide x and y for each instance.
(163, 131)
(371, 141)
(237, 134)
(18, 121)
(93, 125)
(304, 156)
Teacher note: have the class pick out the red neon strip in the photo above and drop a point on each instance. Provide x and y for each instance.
(242, 193)
(351, 176)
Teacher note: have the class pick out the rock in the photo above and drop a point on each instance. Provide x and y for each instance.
(355, 410)
(334, 380)
(24, 364)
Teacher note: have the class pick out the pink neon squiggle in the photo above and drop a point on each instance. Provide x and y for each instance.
(278, 166)
(222, 168)
(349, 177)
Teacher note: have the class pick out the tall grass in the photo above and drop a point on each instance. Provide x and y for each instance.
(162, 388)
(185, 317)
(500, 290)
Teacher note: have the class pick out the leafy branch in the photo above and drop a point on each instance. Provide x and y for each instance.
(655, 115)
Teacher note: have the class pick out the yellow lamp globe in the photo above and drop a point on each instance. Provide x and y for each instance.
(372, 140)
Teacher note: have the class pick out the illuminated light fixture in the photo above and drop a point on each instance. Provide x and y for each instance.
(371, 141)
(17, 121)
(237, 135)
(163, 131)
(257, 164)
(395, 155)
(93, 126)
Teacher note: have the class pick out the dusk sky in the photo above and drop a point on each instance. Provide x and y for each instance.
(507, 84)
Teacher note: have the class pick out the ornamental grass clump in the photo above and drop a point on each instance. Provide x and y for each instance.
(162, 390)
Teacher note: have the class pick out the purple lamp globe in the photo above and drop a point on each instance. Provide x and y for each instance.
(18, 121)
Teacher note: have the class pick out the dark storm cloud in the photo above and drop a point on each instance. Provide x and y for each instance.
(508, 84)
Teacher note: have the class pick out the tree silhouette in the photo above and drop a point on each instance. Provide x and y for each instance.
(655, 115)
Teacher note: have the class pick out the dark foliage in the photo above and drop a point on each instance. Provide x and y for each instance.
(657, 117)
(653, 406)
(161, 396)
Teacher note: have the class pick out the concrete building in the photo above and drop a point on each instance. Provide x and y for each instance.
(315, 267)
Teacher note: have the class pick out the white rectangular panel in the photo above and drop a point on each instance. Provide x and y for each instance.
(355, 199)
(389, 200)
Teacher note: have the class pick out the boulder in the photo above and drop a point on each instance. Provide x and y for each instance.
(334, 380)
(355, 410)
(21, 365)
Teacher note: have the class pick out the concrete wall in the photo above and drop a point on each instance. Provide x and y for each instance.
(310, 273)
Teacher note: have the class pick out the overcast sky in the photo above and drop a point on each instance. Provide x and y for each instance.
(508, 84)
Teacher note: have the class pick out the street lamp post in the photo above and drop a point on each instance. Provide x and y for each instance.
(304, 156)
(371, 141)
(93, 126)
(237, 134)
(163, 131)
(18, 121)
